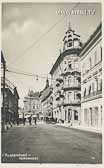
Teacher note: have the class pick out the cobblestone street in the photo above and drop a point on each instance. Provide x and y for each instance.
(47, 143)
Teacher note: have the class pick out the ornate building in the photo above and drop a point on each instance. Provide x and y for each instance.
(66, 79)
(91, 75)
(32, 104)
(47, 101)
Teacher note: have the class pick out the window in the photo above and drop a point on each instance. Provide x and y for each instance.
(65, 114)
(89, 89)
(75, 115)
(64, 69)
(101, 52)
(33, 106)
(76, 43)
(95, 54)
(90, 62)
(76, 65)
(64, 62)
(69, 114)
(69, 36)
(85, 92)
(100, 85)
(69, 44)
(93, 87)
(70, 66)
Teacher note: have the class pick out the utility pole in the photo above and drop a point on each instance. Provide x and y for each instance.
(3, 111)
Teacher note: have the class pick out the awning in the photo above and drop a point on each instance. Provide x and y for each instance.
(34, 115)
(20, 116)
(27, 116)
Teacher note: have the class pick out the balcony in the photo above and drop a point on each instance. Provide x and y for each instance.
(71, 71)
(72, 86)
(93, 95)
(76, 102)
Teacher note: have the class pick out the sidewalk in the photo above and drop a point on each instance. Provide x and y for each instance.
(80, 127)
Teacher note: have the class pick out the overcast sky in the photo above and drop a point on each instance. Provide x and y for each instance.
(24, 23)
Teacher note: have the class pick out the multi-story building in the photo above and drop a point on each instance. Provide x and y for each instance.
(47, 101)
(32, 104)
(66, 80)
(91, 76)
(11, 102)
(9, 99)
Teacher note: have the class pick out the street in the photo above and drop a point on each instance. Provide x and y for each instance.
(49, 143)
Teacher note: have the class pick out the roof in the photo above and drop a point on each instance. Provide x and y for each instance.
(96, 34)
(31, 93)
(10, 87)
(46, 93)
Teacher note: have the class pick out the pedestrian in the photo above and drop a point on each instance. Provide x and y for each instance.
(17, 121)
(29, 120)
(35, 120)
(24, 120)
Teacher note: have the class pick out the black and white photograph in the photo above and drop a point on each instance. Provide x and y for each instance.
(51, 82)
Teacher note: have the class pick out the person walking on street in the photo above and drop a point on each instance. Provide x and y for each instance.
(29, 120)
(24, 120)
(35, 120)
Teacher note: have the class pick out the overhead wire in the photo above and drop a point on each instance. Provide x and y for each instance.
(28, 74)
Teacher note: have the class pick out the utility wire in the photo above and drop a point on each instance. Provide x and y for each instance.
(27, 74)
(44, 34)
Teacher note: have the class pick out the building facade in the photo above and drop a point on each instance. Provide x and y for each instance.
(91, 75)
(66, 80)
(47, 101)
(11, 103)
(32, 104)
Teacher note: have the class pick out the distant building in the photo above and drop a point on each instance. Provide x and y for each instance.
(32, 104)
(47, 101)
(66, 79)
(91, 76)
(20, 112)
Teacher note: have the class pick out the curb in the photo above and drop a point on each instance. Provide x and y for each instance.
(80, 128)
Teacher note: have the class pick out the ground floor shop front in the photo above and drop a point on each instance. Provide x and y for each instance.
(91, 113)
(67, 114)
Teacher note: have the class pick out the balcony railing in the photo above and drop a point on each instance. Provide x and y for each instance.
(71, 102)
(76, 101)
(72, 85)
(70, 70)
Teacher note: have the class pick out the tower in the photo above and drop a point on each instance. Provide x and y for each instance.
(71, 76)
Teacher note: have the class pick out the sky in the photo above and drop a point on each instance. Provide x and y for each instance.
(30, 42)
